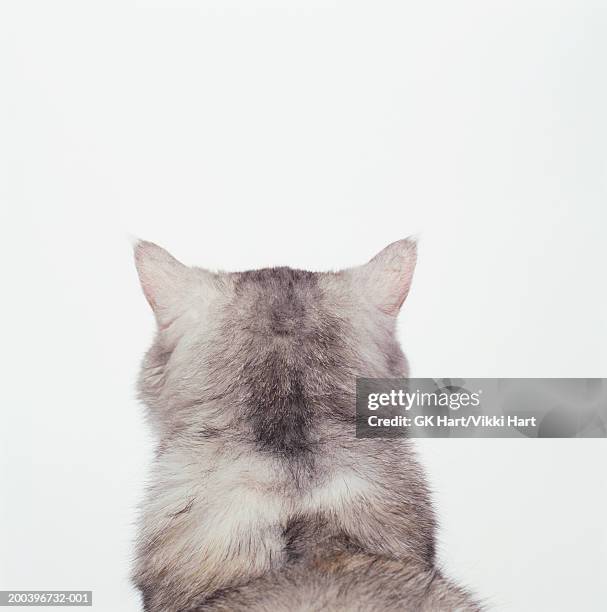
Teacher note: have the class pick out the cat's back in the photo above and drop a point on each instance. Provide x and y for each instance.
(346, 581)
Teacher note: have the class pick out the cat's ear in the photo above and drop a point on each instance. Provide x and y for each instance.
(166, 282)
(386, 279)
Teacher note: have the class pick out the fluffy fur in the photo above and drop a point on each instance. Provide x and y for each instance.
(261, 498)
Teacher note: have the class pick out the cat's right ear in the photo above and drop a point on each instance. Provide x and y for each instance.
(166, 282)
(386, 279)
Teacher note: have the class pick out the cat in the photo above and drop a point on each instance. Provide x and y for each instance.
(262, 498)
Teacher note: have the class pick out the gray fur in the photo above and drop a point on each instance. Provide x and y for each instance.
(261, 497)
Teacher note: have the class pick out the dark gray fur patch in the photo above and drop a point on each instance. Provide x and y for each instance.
(281, 422)
(280, 296)
(307, 534)
(290, 333)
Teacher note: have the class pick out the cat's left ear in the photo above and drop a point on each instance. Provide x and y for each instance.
(386, 279)
(167, 284)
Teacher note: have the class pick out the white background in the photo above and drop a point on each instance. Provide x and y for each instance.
(309, 134)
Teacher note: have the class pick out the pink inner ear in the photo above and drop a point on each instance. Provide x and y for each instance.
(160, 294)
(161, 300)
(145, 278)
(393, 303)
(147, 291)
